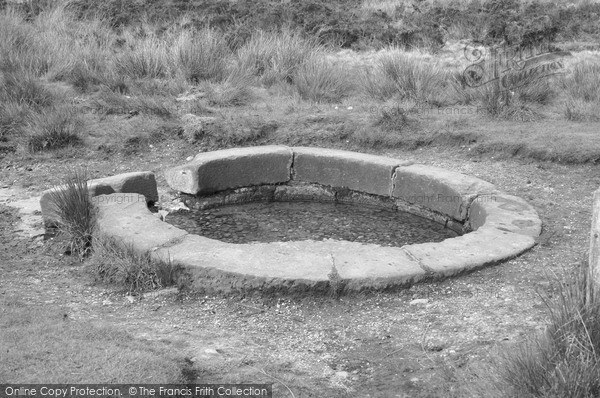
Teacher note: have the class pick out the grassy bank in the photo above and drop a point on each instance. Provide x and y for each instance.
(66, 79)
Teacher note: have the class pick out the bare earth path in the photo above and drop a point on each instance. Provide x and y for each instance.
(372, 345)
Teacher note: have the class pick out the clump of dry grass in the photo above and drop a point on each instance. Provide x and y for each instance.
(74, 212)
(565, 362)
(118, 263)
(276, 56)
(235, 90)
(201, 55)
(145, 56)
(583, 92)
(320, 80)
(520, 102)
(18, 48)
(23, 88)
(403, 75)
(54, 128)
(78, 52)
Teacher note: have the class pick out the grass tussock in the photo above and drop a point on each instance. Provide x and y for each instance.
(201, 55)
(19, 48)
(74, 211)
(565, 362)
(320, 80)
(276, 56)
(116, 263)
(77, 52)
(520, 102)
(583, 92)
(23, 88)
(235, 90)
(54, 128)
(403, 75)
(145, 57)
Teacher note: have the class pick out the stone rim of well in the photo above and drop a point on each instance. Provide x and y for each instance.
(497, 226)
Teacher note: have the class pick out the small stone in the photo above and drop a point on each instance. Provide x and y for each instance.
(419, 301)
(211, 351)
(131, 299)
(342, 374)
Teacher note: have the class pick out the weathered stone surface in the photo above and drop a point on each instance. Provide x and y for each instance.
(232, 168)
(504, 225)
(437, 189)
(419, 210)
(474, 250)
(261, 193)
(127, 218)
(357, 171)
(143, 183)
(367, 266)
(304, 192)
(360, 266)
(506, 213)
(364, 199)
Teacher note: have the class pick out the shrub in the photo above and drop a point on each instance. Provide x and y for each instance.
(54, 128)
(74, 211)
(115, 262)
(320, 80)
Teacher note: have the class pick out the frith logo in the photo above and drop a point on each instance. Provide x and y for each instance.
(510, 67)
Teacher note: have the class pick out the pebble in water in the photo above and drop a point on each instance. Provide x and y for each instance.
(289, 221)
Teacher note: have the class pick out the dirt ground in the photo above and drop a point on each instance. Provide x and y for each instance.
(368, 345)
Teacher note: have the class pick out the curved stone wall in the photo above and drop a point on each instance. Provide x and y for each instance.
(498, 226)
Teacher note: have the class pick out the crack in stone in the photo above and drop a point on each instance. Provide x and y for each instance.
(417, 260)
(170, 243)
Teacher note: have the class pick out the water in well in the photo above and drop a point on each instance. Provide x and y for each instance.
(290, 221)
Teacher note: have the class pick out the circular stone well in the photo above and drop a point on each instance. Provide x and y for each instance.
(494, 226)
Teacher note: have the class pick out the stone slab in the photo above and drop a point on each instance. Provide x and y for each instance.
(368, 266)
(126, 217)
(476, 249)
(506, 213)
(308, 263)
(438, 189)
(232, 168)
(335, 168)
(143, 183)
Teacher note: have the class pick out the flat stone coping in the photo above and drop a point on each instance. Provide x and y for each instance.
(498, 226)
(141, 182)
